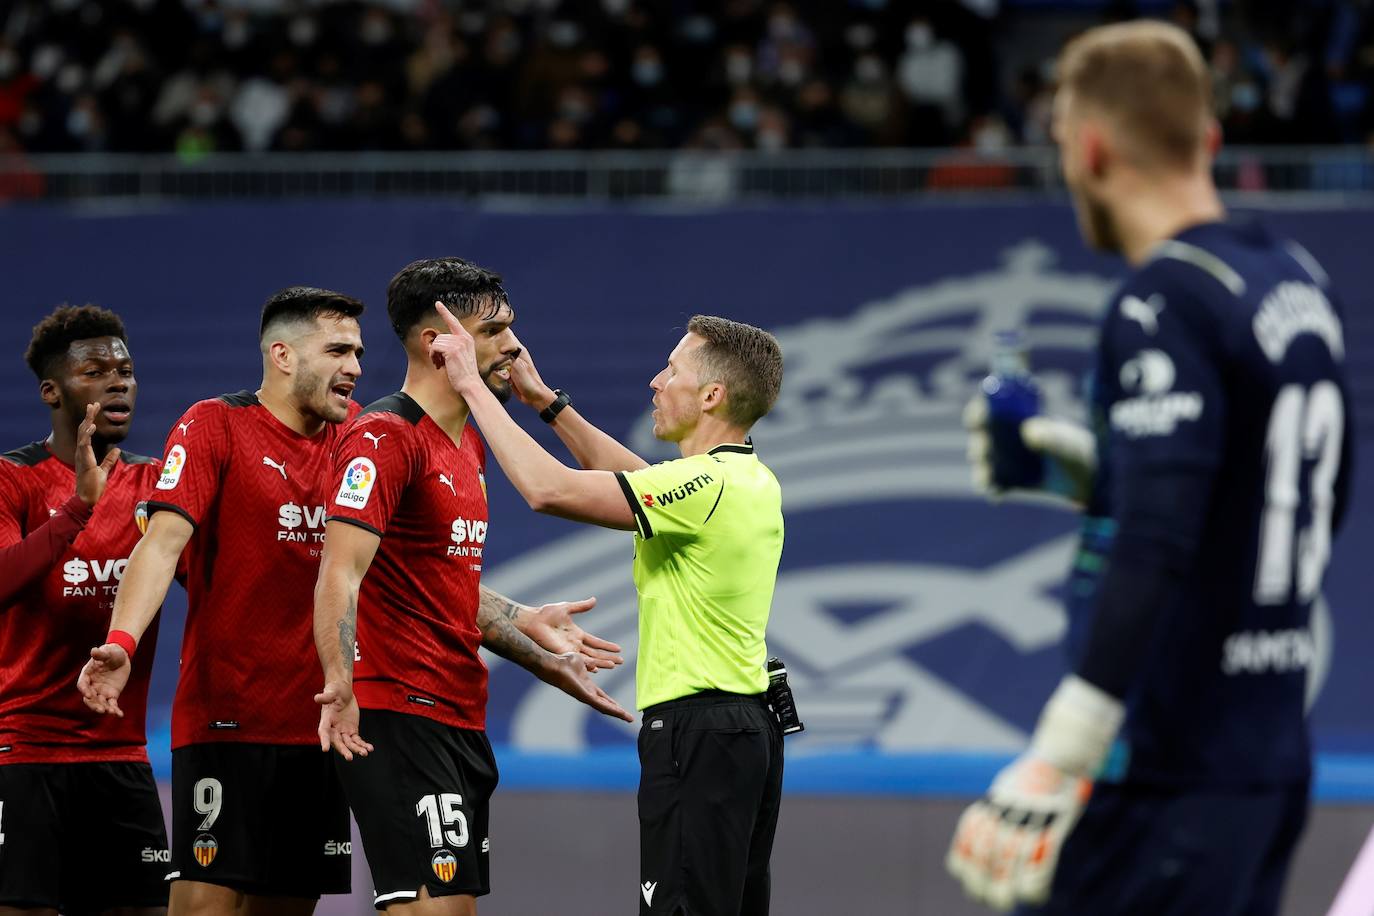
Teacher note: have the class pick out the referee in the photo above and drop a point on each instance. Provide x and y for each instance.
(708, 537)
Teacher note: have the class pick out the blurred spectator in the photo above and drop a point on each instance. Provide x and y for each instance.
(196, 76)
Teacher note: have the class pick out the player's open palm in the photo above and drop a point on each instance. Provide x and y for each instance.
(552, 627)
(569, 674)
(103, 678)
(90, 476)
(339, 721)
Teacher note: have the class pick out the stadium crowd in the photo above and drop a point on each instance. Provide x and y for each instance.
(197, 76)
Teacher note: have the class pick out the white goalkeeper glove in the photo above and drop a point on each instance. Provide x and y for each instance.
(1071, 451)
(1007, 844)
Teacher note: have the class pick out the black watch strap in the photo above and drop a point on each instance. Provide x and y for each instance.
(562, 400)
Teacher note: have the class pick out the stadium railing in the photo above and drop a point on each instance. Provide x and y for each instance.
(681, 175)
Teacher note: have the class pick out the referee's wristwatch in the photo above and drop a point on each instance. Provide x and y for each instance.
(562, 399)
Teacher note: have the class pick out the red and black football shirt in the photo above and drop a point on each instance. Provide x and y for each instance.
(47, 632)
(254, 488)
(400, 476)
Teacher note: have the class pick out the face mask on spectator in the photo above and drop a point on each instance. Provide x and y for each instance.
(744, 115)
(574, 108)
(991, 138)
(771, 140)
(564, 34)
(46, 60)
(791, 72)
(236, 33)
(869, 69)
(376, 30)
(699, 29)
(648, 71)
(919, 37)
(1245, 97)
(70, 78)
(302, 31)
(204, 113)
(9, 62)
(739, 68)
(79, 122)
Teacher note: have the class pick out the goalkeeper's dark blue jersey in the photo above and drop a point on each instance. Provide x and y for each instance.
(1221, 364)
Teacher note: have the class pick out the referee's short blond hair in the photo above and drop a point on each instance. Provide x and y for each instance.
(1149, 81)
(745, 359)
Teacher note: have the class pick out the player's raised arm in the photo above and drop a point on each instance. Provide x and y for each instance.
(567, 672)
(553, 628)
(547, 484)
(593, 448)
(348, 552)
(152, 566)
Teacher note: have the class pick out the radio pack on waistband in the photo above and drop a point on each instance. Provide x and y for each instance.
(780, 697)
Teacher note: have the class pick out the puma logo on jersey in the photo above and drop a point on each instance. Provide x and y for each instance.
(280, 468)
(1144, 312)
(185, 426)
(448, 482)
(376, 440)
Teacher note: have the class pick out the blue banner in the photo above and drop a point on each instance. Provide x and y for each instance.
(922, 625)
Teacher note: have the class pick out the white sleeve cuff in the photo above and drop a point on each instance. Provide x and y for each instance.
(1077, 727)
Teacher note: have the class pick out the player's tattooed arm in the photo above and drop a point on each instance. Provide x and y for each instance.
(348, 552)
(565, 671)
(552, 627)
(348, 633)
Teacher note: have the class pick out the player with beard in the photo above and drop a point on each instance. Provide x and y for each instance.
(1172, 766)
(399, 612)
(259, 822)
(81, 826)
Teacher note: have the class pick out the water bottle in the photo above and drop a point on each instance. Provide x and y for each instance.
(780, 697)
(1012, 397)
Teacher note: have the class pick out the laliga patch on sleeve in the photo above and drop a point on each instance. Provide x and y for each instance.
(171, 470)
(357, 483)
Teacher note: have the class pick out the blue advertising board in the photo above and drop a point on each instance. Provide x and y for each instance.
(921, 624)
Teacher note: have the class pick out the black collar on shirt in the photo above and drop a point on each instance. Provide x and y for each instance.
(746, 449)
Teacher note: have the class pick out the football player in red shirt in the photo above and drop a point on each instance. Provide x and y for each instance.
(258, 816)
(81, 827)
(399, 612)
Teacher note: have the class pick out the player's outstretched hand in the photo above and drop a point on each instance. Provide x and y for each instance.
(339, 721)
(1070, 448)
(552, 627)
(455, 352)
(103, 678)
(91, 477)
(569, 674)
(529, 387)
(1007, 844)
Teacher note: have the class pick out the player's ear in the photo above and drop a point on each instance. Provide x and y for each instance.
(1096, 150)
(50, 393)
(1212, 138)
(282, 356)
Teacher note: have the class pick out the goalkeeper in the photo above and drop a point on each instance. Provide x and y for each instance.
(1168, 774)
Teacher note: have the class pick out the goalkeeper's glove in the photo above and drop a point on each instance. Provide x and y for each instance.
(1071, 451)
(1007, 844)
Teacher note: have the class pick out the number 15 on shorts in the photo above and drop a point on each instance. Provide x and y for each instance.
(444, 817)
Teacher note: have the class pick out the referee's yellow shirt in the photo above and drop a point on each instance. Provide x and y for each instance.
(707, 545)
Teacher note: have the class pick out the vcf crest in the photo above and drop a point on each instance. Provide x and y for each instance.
(445, 865)
(205, 848)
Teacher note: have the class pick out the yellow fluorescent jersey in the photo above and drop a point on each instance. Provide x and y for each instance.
(707, 545)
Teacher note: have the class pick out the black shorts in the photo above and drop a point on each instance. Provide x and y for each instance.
(1160, 852)
(421, 802)
(710, 787)
(81, 836)
(265, 819)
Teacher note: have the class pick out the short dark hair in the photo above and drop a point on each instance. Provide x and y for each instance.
(54, 335)
(306, 303)
(746, 359)
(462, 286)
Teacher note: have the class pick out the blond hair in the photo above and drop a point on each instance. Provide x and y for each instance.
(745, 359)
(1149, 80)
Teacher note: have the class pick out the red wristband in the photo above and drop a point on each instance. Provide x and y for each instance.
(124, 640)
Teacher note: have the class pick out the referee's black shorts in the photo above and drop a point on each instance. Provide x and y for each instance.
(709, 790)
